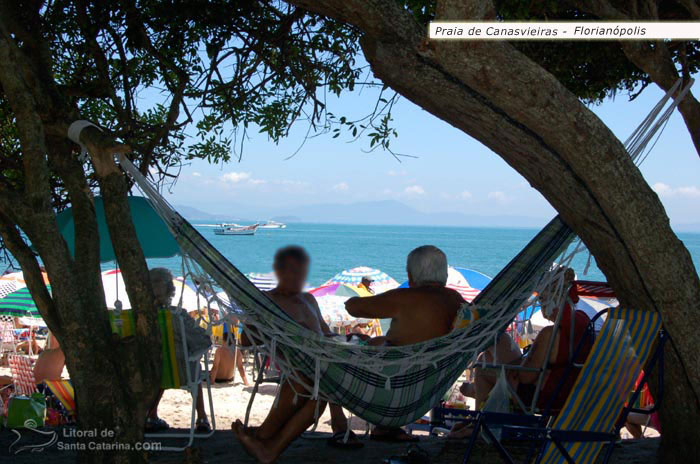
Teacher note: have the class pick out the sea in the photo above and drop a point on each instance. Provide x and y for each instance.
(335, 247)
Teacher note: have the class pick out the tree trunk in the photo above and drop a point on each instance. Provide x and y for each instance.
(115, 380)
(513, 106)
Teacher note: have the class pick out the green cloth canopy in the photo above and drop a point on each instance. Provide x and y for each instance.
(20, 304)
(152, 233)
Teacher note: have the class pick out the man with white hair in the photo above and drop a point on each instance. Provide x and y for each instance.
(424, 310)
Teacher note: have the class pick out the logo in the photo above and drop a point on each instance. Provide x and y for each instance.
(31, 425)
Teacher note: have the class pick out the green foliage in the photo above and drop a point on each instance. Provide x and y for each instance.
(183, 80)
(592, 70)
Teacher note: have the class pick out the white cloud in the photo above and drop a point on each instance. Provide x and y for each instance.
(341, 187)
(387, 191)
(235, 177)
(466, 195)
(498, 196)
(257, 181)
(393, 173)
(414, 190)
(690, 191)
(196, 174)
(665, 190)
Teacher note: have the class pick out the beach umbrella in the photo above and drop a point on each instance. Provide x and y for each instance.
(263, 281)
(341, 290)
(114, 289)
(20, 303)
(7, 287)
(458, 278)
(333, 311)
(153, 235)
(381, 281)
(475, 279)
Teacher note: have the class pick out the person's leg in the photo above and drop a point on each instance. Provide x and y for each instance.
(280, 414)
(267, 451)
(241, 369)
(201, 412)
(339, 423)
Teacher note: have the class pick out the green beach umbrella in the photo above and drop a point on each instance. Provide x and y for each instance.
(20, 304)
(152, 233)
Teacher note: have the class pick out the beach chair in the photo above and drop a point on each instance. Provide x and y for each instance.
(63, 391)
(22, 370)
(598, 404)
(178, 369)
(8, 343)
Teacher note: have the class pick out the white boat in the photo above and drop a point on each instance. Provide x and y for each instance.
(238, 230)
(273, 225)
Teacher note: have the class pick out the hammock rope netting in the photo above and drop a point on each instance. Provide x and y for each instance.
(396, 385)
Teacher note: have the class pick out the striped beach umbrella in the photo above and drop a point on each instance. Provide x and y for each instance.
(381, 281)
(340, 290)
(333, 312)
(264, 281)
(20, 304)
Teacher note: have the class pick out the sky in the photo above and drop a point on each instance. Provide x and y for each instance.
(451, 172)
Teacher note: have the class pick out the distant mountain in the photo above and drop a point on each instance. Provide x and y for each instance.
(689, 227)
(286, 219)
(195, 214)
(390, 212)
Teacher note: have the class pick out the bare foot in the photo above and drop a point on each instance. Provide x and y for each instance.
(252, 445)
(461, 430)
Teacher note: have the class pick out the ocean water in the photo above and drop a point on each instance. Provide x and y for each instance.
(335, 247)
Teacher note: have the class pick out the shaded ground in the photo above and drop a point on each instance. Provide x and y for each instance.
(222, 448)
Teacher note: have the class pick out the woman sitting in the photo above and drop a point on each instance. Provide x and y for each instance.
(556, 384)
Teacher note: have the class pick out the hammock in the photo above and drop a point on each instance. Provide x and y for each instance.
(389, 386)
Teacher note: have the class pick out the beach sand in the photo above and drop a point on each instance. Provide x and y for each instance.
(230, 402)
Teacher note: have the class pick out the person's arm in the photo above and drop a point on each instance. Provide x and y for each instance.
(383, 306)
(322, 322)
(536, 357)
(215, 366)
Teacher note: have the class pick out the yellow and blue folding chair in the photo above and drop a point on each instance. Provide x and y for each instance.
(595, 410)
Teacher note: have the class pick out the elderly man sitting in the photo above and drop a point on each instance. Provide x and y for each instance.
(425, 310)
(198, 343)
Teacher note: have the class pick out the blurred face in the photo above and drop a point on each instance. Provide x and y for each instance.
(291, 275)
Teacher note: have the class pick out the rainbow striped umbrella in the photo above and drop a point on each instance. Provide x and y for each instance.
(20, 303)
(381, 281)
(339, 289)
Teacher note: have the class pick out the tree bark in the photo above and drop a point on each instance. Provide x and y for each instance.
(500, 97)
(115, 380)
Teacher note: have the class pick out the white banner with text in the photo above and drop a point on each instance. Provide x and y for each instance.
(570, 30)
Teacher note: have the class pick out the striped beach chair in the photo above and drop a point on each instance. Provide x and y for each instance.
(595, 411)
(178, 369)
(64, 393)
(22, 369)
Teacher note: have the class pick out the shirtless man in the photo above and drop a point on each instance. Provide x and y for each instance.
(49, 365)
(291, 417)
(425, 310)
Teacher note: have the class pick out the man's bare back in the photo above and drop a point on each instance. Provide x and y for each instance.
(417, 314)
(301, 307)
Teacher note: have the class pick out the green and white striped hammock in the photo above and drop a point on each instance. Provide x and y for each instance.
(389, 386)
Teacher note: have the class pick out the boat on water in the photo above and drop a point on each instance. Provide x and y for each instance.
(273, 225)
(236, 230)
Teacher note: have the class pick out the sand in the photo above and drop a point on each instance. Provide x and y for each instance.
(230, 402)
